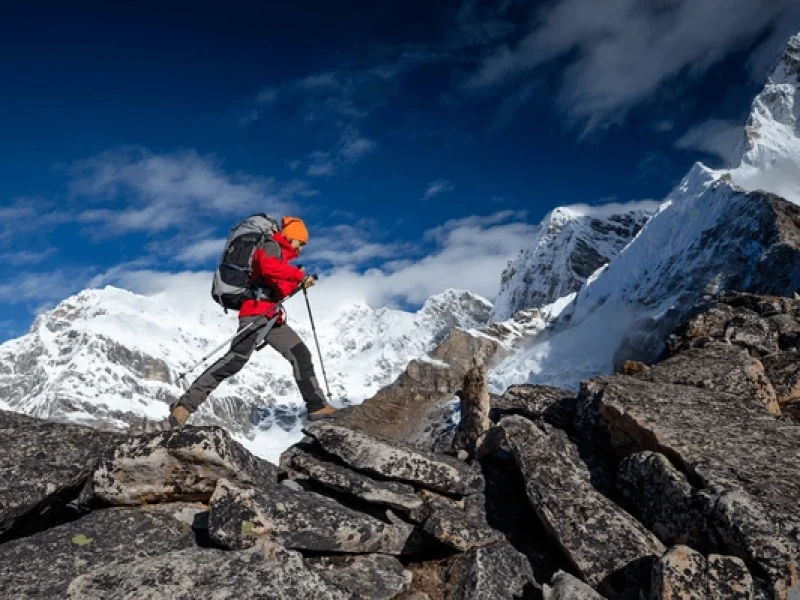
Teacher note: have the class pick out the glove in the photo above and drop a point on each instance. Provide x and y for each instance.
(309, 281)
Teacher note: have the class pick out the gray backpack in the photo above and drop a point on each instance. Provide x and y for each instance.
(231, 285)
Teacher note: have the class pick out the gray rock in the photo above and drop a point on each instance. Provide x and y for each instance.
(731, 447)
(44, 464)
(680, 574)
(258, 574)
(608, 547)
(371, 577)
(456, 527)
(729, 579)
(303, 521)
(474, 398)
(567, 587)
(664, 499)
(337, 477)
(783, 370)
(721, 367)
(496, 572)
(551, 404)
(396, 460)
(178, 465)
(41, 566)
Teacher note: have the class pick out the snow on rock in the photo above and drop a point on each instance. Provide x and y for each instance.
(110, 358)
(771, 149)
(572, 243)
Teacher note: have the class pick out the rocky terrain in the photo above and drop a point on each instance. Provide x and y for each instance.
(680, 479)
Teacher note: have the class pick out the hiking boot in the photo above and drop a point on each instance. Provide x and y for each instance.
(178, 416)
(325, 412)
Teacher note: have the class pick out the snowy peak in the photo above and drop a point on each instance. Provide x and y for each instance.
(770, 153)
(571, 244)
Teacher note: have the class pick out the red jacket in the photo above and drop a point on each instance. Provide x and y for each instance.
(271, 269)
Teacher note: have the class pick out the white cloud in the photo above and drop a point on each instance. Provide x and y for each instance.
(43, 287)
(621, 51)
(716, 137)
(439, 186)
(200, 251)
(26, 257)
(348, 150)
(168, 191)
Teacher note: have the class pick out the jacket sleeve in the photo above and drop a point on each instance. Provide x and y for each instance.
(279, 274)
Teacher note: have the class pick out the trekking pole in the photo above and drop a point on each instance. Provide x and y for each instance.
(278, 305)
(316, 340)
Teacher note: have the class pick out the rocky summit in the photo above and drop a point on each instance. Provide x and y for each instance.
(671, 480)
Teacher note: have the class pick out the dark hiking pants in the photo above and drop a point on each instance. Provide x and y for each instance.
(281, 337)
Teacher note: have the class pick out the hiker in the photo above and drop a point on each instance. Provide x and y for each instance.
(272, 279)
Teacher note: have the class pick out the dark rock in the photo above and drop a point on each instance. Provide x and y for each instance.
(783, 371)
(388, 493)
(567, 587)
(607, 546)
(729, 579)
(680, 574)
(474, 397)
(178, 465)
(456, 528)
(44, 465)
(299, 520)
(42, 565)
(551, 404)
(717, 367)
(664, 500)
(371, 577)
(498, 572)
(395, 460)
(746, 460)
(257, 574)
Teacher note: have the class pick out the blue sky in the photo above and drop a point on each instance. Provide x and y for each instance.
(413, 137)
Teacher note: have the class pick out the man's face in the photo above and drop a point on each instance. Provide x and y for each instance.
(297, 245)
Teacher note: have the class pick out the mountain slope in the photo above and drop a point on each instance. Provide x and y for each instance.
(572, 243)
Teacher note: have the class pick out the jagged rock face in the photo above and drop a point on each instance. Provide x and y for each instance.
(42, 565)
(571, 244)
(44, 464)
(111, 358)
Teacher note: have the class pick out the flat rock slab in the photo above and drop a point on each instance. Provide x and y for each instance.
(178, 465)
(44, 463)
(41, 566)
(387, 493)
(607, 546)
(568, 587)
(371, 576)
(395, 460)
(731, 446)
(499, 572)
(299, 520)
(257, 574)
(456, 528)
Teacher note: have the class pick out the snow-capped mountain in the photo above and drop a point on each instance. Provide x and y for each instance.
(572, 243)
(717, 231)
(110, 358)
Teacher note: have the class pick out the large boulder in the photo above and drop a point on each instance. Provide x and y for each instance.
(337, 477)
(538, 402)
(395, 460)
(568, 587)
(607, 546)
(178, 465)
(44, 465)
(41, 566)
(454, 526)
(680, 574)
(262, 573)
(240, 517)
(746, 460)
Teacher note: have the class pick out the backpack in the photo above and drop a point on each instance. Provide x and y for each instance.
(231, 284)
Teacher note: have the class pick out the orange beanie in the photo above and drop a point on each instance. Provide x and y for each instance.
(294, 229)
